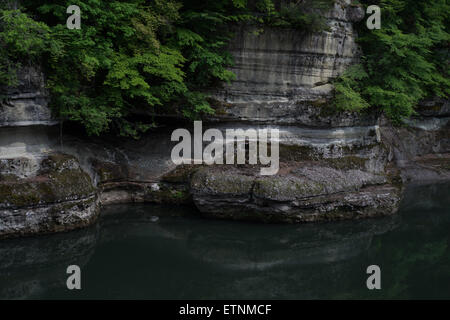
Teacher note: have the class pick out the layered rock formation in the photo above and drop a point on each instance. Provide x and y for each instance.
(422, 150)
(41, 190)
(26, 103)
(283, 75)
(332, 165)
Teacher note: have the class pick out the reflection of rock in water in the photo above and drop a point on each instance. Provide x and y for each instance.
(237, 249)
(236, 246)
(420, 197)
(124, 220)
(30, 264)
(251, 259)
(420, 234)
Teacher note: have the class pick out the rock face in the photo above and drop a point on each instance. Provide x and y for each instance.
(333, 165)
(58, 197)
(422, 150)
(26, 104)
(304, 193)
(41, 190)
(283, 75)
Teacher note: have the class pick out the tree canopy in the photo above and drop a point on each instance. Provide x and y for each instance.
(403, 62)
(164, 55)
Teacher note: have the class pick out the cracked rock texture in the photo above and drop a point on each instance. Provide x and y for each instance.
(58, 197)
(26, 103)
(302, 193)
(281, 76)
(333, 165)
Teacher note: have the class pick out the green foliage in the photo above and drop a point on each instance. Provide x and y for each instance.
(113, 64)
(405, 61)
(21, 40)
(348, 87)
(161, 55)
(303, 15)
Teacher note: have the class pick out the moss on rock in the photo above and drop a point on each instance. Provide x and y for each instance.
(346, 163)
(219, 180)
(181, 174)
(60, 179)
(167, 194)
(297, 153)
(286, 188)
(109, 171)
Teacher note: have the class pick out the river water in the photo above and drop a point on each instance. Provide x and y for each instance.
(131, 254)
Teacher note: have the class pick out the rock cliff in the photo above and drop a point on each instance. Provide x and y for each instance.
(41, 190)
(284, 75)
(333, 165)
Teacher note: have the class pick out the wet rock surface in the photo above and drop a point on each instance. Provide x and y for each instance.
(26, 103)
(421, 150)
(303, 192)
(59, 197)
(334, 165)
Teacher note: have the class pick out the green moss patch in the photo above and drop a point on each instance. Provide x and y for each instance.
(297, 153)
(181, 174)
(60, 179)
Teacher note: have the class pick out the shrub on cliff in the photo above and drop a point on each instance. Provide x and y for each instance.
(161, 55)
(164, 55)
(127, 55)
(118, 61)
(21, 40)
(403, 62)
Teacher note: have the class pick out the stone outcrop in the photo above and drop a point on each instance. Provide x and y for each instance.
(303, 193)
(26, 103)
(333, 165)
(422, 150)
(282, 76)
(41, 190)
(58, 197)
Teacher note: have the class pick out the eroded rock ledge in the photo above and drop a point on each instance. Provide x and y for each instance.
(303, 192)
(60, 196)
(325, 174)
(334, 165)
(41, 190)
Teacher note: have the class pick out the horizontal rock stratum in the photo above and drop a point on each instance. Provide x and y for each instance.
(58, 197)
(304, 192)
(333, 165)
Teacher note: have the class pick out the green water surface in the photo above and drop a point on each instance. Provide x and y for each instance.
(129, 255)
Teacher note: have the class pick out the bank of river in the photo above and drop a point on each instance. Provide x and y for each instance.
(130, 253)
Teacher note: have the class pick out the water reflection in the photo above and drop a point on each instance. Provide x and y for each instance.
(130, 255)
